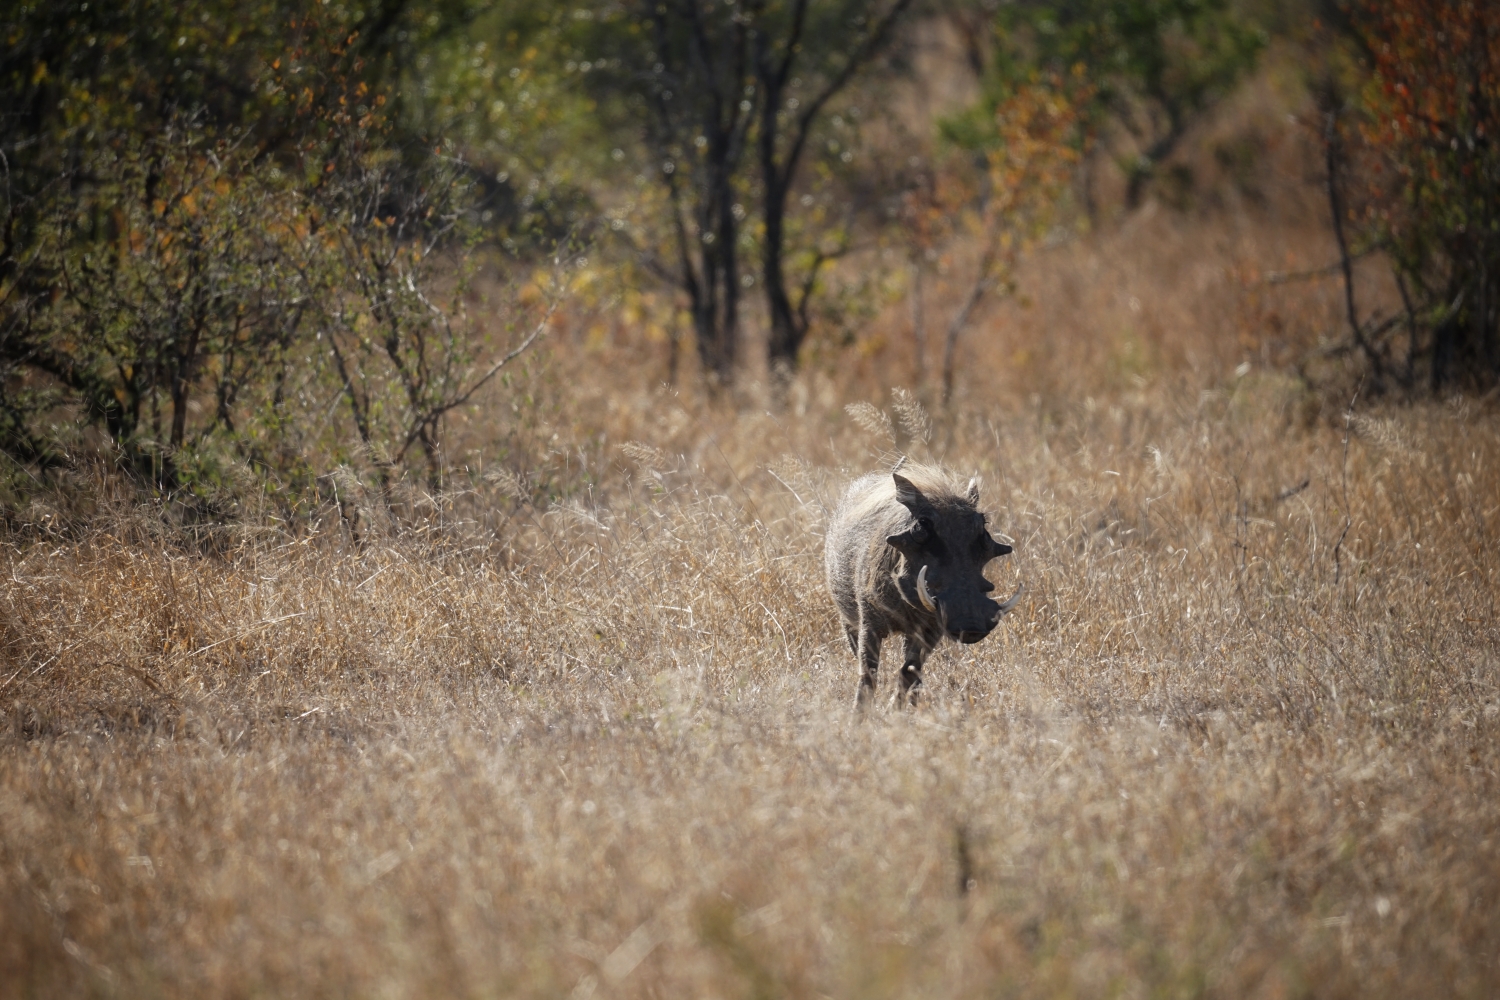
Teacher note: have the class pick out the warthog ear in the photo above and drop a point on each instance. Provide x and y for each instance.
(908, 495)
(1000, 548)
(973, 491)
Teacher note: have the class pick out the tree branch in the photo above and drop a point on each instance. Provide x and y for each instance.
(506, 359)
(871, 44)
(1346, 262)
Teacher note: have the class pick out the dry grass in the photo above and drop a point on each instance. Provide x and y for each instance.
(607, 747)
(587, 730)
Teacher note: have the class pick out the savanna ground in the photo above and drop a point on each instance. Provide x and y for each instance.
(583, 726)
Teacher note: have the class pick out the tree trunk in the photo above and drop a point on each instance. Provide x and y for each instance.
(918, 322)
(960, 320)
(704, 296)
(1333, 151)
(716, 309)
(719, 267)
(1143, 170)
(183, 372)
(772, 74)
(786, 332)
(786, 329)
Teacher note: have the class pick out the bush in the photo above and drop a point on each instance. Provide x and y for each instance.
(1430, 115)
(200, 291)
(164, 289)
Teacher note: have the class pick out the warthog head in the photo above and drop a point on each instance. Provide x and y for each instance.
(945, 549)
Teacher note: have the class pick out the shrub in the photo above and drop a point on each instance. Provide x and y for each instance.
(1430, 117)
(199, 291)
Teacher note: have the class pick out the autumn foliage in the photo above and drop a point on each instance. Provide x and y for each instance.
(1005, 207)
(339, 657)
(1432, 114)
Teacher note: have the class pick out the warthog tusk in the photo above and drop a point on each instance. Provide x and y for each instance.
(1005, 608)
(924, 593)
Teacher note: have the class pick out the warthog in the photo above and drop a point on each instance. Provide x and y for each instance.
(905, 553)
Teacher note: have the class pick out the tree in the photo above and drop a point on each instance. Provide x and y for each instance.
(1006, 205)
(1155, 65)
(390, 290)
(679, 72)
(703, 84)
(162, 283)
(107, 107)
(1427, 174)
(827, 47)
(213, 228)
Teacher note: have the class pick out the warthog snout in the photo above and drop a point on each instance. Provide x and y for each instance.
(905, 554)
(983, 613)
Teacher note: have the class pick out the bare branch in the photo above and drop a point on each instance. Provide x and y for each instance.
(507, 358)
(866, 49)
(1332, 152)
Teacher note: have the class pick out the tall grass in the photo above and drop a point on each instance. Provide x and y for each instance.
(605, 745)
(583, 726)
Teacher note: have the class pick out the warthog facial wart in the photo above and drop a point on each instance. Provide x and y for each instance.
(905, 554)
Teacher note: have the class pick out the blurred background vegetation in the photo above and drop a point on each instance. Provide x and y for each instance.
(253, 247)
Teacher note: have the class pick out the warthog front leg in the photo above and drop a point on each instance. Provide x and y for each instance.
(868, 653)
(913, 655)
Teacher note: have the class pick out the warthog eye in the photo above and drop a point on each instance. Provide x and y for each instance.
(912, 538)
